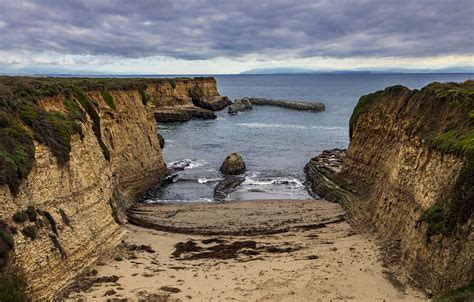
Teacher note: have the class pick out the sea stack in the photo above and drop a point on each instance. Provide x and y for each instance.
(233, 165)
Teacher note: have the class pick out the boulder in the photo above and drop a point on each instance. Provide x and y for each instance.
(233, 165)
(240, 105)
(214, 103)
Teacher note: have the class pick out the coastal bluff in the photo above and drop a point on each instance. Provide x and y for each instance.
(74, 155)
(407, 177)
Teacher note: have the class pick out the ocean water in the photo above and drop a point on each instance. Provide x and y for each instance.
(275, 143)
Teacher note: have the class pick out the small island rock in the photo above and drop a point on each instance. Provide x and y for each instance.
(233, 165)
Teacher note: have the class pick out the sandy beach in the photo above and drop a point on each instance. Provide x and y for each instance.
(271, 250)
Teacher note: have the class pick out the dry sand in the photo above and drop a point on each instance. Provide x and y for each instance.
(312, 255)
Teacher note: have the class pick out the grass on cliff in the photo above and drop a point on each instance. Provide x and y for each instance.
(457, 138)
(363, 105)
(23, 120)
(463, 294)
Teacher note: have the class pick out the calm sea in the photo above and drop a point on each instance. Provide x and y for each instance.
(275, 143)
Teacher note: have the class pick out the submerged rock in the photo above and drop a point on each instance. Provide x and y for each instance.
(233, 165)
(214, 103)
(240, 105)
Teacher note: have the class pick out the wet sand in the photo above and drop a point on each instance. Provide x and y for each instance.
(270, 250)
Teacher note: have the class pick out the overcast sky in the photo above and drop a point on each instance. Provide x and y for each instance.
(230, 36)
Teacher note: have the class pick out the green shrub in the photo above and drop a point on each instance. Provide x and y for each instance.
(16, 152)
(364, 103)
(32, 213)
(172, 83)
(7, 237)
(20, 217)
(13, 286)
(75, 111)
(29, 231)
(145, 97)
(108, 98)
(463, 294)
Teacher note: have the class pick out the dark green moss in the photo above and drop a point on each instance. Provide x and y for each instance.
(29, 231)
(13, 286)
(108, 98)
(20, 217)
(463, 294)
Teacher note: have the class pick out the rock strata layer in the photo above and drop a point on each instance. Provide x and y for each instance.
(97, 150)
(407, 176)
(296, 105)
(214, 103)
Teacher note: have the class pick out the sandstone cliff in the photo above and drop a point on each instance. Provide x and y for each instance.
(408, 177)
(74, 153)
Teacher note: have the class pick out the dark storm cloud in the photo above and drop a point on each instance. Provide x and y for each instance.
(206, 29)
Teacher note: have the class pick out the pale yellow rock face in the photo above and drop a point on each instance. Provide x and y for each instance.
(86, 190)
(401, 177)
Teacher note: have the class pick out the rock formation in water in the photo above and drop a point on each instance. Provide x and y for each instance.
(296, 105)
(182, 99)
(239, 105)
(233, 165)
(408, 176)
(74, 154)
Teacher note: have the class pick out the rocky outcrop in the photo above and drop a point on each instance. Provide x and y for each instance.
(295, 105)
(408, 177)
(214, 103)
(233, 165)
(95, 148)
(182, 99)
(183, 114)
(239, 105)
(226, 186)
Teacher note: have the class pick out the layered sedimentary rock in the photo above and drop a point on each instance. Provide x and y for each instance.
(76, 152)
(182, 99)
(408, 176)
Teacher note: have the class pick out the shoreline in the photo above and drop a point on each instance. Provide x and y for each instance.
(314, 255)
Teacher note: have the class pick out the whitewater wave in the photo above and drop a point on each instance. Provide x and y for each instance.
(186, 163)
(262, 125)
(203, 180)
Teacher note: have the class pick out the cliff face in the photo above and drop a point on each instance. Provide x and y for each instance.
(407, 176)
(94, 148)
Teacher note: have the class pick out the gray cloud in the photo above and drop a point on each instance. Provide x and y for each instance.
(205, 29)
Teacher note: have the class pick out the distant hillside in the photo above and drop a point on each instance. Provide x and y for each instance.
(291, 70)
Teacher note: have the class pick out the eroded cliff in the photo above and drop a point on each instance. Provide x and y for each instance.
(74, 153)
(408, 176)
